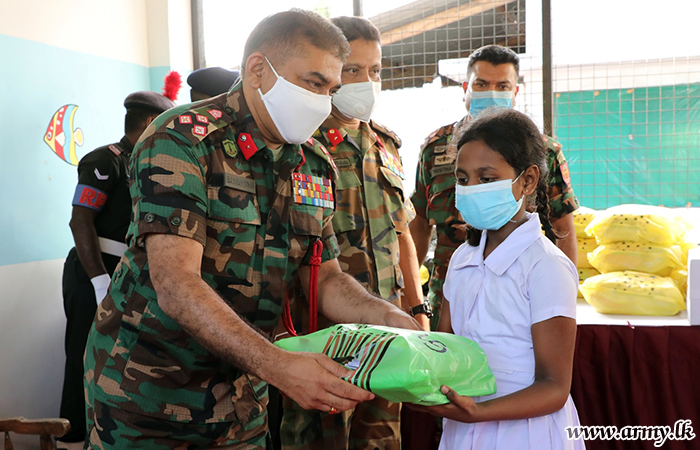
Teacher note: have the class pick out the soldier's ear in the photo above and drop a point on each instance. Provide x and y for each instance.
(255, 68)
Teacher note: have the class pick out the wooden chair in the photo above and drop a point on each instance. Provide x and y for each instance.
(45, 428)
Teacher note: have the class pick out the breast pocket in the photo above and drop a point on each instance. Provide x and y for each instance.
(233, 222)
(233, 205)
(441, 198)
(349, 211)
(305, 226)
(394, 197)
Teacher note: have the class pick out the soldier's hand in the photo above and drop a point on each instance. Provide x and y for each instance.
(313, 381)
(399, 319)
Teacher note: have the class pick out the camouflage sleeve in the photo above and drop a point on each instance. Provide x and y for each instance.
(331, 250)
(410, 209)
(168, 188)
(562, 200)
(418, 198)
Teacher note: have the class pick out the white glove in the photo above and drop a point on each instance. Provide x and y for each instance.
(101, 285)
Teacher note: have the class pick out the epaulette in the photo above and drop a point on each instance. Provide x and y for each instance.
(551, 143)
(387, 132)
(322, 152)
(196, 124)
(439, 133)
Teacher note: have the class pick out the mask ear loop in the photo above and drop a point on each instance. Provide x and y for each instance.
(521, 198)
(273, 71)
(271, 67)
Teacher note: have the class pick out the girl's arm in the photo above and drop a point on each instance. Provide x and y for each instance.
(553, 340)
(445, 323)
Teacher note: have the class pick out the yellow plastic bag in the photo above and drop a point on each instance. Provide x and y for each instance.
(424, 275)
(583, 275)
(638, 256)
(634, 293)
(685, 246)
(582, 217)
(639, 223)
(680, 276)
(586, 273)
(585, 246)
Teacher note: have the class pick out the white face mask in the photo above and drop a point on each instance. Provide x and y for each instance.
(358, 100)
(295, 111)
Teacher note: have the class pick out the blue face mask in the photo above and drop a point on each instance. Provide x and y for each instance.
(480, 100)
(487, 206)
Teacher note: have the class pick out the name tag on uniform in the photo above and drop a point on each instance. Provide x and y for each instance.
(342, 162)
(239, 182)
(312, 190)
(442, 170)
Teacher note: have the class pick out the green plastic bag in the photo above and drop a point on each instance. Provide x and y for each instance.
(402, 365)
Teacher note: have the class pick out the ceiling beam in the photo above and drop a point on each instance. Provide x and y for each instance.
(440, 19)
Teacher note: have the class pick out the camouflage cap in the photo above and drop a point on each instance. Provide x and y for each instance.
(148, 100)
(212, 81)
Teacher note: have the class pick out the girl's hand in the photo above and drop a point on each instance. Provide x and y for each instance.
(461, 408)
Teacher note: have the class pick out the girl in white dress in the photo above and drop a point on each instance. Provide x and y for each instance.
(511, 290)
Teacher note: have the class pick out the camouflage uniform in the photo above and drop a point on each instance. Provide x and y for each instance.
(202, 171)
(434, 199)
(371, 211)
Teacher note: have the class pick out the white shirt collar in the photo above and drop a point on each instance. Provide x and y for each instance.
(509, 250)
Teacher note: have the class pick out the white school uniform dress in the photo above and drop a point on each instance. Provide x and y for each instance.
(494, 302)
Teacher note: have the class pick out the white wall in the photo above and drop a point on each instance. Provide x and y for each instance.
(32, 328)
(413, 114)
(115, 29)
(169, 26)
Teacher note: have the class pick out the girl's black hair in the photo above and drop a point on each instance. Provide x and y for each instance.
(516, 137)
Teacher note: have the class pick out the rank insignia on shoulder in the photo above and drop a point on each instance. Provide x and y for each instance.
(439, 149)
(199, 130)
(312, 190)
(202, 119)
(114, 149)
(230, 148)
(185, 119)
(247, 145)
(215, 113)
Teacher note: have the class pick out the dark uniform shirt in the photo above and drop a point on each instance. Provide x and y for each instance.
(203, 172)
(103, 186)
